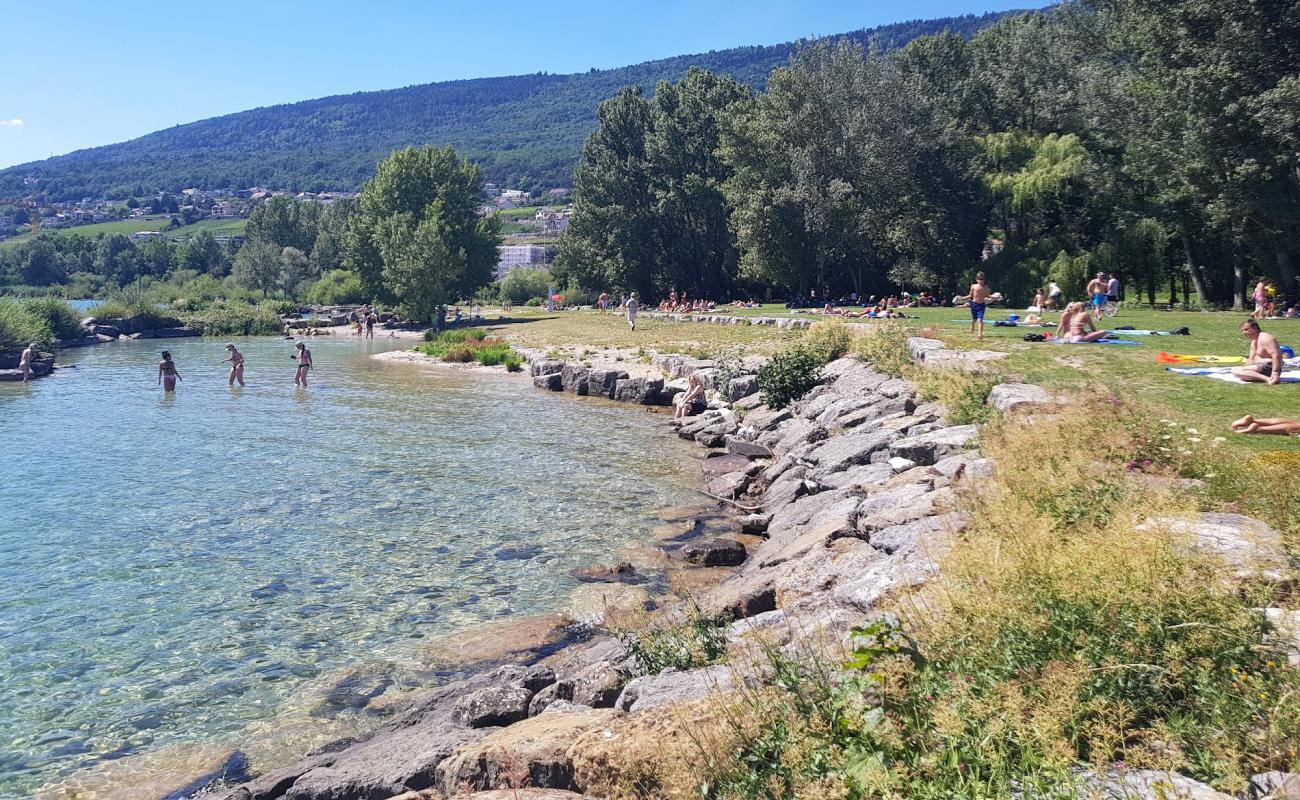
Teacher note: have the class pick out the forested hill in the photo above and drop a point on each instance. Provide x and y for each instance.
(524, 130)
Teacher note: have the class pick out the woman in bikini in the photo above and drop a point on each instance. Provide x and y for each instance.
(1076, 326)
(304, 364)
(167, 374)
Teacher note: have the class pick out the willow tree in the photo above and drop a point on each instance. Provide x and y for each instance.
(417, 239)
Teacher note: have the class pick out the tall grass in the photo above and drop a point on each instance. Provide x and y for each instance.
(885, 346)
(1058, 633)
(20, 326)
(465, 345)
(64, 322)
(236, 319)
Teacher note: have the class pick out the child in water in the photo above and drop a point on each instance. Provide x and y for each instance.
(167, 373)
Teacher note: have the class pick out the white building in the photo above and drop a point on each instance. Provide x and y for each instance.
(510, 256)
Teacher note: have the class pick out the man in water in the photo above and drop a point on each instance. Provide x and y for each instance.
(25, 361)
(978, 298)
(1097, 291)
(167, 372)
(236, 360)
(632, 307)
(304, 364)
(1264, 363)
(370, 325)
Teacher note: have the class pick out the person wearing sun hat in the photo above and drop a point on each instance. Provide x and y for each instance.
(236, 360)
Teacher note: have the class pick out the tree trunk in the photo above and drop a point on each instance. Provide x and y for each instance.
(1286, 272)
(1151, 286)
(1238, 278)
(1193, 271)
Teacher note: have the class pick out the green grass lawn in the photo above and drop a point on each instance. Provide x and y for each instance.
(1130, 373)
(516, 213)
(154, 222)
(217, 227)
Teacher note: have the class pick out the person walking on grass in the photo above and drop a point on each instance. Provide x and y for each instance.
(979, 299)
(25, 361)
(1264, 362)
(304, 364)
(604, 303)
(167, 372)
(632, 307)
(1054, 295)
(1097, 288)
(236, 360)
(1261, 299)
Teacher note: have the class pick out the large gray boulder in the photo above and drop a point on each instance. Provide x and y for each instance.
(492, 707)
(1274, 786)
(742, 386)
(1149, 784)
(544, 366)
(1007, 397)
(644, 391)
(674, 687)
(551, 381)
(719, 552)
(573, 378)
(1252, 549)
(601, 382)
(841, 452)
(928, 448)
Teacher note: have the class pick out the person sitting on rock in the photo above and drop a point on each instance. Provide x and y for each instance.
(694, 391)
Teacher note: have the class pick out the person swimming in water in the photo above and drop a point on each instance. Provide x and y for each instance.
(304, 364)
(167, 372)
(236, 364)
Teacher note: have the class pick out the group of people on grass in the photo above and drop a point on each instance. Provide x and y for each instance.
(683, 304)
(168, 374)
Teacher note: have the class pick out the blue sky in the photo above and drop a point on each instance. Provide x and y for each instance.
(82, 73)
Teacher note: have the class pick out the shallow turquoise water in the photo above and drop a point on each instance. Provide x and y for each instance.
(173, 569)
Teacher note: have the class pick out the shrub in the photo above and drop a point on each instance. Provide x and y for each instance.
(63, 321)
(514, 363)
(280, 307)
(19, 327)
(655, 645)
(965, 394)
(790, 375)
(236, 319)
(534, 302)
(885, 347)
(828, 340)
(492, 353)
(335, 288)
(458, 355)
(524, 284)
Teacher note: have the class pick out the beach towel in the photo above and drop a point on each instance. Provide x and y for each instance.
(1099, 341)
(1179, 358)
(1129, 332)
(1225, 374)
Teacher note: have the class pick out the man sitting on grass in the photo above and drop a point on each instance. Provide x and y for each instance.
(1264, 364)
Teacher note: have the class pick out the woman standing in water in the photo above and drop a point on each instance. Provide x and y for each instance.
(304, 364)
(167, 374)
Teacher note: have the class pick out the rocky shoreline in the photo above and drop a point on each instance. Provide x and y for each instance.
(831, 504)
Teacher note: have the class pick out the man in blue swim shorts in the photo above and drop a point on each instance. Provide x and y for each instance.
(1097, 291)
(979, 299)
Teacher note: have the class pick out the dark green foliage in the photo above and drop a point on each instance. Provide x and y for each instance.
(523, 130)
(790, 375)
(20, 326)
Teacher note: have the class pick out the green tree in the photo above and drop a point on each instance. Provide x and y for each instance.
(285, 222)
(257, 266)
(524, 283)
(417, 238)
(203, 254)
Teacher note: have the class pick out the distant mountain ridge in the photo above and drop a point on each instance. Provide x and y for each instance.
(523, 129)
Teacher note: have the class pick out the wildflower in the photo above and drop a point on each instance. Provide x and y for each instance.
(1193, 439)
(1209, 475)
(1185, 452)
(1166, 422)
(1192, 430)
(1219, 439)
(1166, 436)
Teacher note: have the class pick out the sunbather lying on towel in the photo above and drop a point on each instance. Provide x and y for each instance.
(1282, 427)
